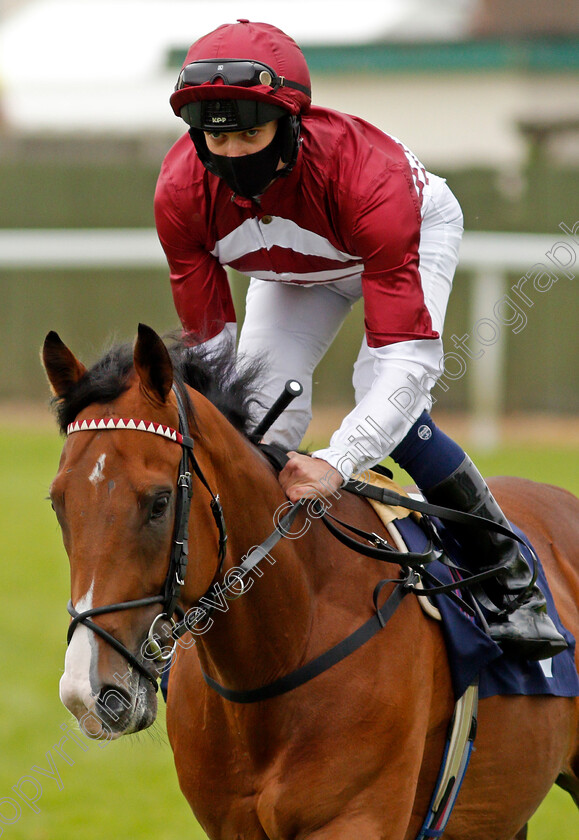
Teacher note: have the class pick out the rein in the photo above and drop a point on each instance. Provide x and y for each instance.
(412, 563)
(463, 726)
(375, 547)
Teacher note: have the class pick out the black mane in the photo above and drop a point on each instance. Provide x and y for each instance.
(218, 375)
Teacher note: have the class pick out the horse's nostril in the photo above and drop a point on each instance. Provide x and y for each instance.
(113, 703)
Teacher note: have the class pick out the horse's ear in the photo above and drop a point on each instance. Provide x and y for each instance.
(62, 367)
(153, 364)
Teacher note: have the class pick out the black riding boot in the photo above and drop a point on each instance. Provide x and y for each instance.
(521, 625)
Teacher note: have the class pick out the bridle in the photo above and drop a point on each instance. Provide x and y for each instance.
(178, 561)
(373, 547)
(459, 744)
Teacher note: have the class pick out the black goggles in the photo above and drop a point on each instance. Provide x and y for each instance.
(238, 72)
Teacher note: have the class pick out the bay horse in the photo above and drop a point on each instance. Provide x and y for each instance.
(354, 752)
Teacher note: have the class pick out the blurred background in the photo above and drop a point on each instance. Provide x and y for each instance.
(486, 94)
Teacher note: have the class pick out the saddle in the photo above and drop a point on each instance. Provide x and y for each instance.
(478, 666)
(382, 478)
(426, 548)
(472, 654)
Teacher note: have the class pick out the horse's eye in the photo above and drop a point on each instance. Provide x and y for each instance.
(159, 506)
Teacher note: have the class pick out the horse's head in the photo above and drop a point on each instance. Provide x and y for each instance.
(118, 502)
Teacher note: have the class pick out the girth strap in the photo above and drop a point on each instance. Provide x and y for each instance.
(326, 660)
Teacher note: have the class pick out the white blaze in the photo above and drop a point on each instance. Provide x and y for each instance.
(97, 474)
(75, 686)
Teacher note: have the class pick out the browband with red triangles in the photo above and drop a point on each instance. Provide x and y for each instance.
(125, 423)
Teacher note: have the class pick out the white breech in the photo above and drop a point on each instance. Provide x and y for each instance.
(292, 326)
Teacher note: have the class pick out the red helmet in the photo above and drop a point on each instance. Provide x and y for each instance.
(240, 76)
(247, 62)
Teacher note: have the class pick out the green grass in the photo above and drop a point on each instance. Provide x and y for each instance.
(127, 788)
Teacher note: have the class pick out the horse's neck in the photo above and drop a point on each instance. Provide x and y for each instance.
(263, 633)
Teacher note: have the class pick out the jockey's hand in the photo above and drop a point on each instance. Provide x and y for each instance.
(307, 477)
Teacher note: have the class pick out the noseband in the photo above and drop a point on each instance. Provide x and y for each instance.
(175, 578)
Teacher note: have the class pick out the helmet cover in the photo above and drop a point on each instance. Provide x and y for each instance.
(252, 42)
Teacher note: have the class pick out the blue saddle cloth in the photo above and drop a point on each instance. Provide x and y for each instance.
(471, 652)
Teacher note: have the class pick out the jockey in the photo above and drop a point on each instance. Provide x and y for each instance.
(321, 209)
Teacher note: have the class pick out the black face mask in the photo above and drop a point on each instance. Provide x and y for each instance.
(248, 175)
